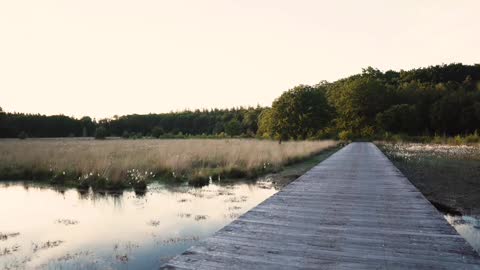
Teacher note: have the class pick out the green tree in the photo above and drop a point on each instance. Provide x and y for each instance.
(299, 113)
(157, 132)
(233, 128)
(399, 119)
(100, 133)
(88, 126)
(125, 134)
(357, 101)
(265, 124)
(250, 121)
(22, 135)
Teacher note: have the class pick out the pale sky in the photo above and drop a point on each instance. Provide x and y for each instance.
(107, 57)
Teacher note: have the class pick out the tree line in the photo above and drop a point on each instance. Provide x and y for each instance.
(442, 99)
(234, 122)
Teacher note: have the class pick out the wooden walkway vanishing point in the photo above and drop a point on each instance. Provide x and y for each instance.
(354, 210)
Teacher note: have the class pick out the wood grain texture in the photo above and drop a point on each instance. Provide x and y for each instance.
(354, 210)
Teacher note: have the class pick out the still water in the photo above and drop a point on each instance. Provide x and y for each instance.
(468, 227)
(43, 228)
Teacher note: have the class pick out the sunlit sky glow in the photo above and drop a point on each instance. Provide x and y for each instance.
(107, 57)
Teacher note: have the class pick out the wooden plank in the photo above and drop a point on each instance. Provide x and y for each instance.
(354, 210)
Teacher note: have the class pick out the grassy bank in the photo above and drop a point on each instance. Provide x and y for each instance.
(114, 164)
(448, 175)
(293, 171)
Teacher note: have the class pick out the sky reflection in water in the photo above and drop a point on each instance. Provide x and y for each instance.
(68, 230)
(468, 227)
(42, 228)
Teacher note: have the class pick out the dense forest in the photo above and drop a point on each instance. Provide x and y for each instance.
(443, 99)
(234, 122)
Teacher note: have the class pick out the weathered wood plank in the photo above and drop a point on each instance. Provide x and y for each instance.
(354, 210)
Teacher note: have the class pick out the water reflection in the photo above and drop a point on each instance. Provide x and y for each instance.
(48, 228)
(468, 227)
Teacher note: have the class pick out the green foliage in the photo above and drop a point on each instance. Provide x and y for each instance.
(265, 124)
(436, 139)
(472, 138)
(233, 128)
(458, 140)
(125, 134)
(88, 126)
(250, 122)
(298, 113)
(22, 135)
(137, 135)
(399, 118)
(455, 111)
(157, 132)
(100, 133)
(193, 123)
(345, 135)
(443, 99)
(357, 101)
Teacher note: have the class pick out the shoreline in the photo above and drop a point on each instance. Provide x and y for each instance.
(283, 176)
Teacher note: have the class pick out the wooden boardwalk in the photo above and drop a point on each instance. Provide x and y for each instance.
(354, 210)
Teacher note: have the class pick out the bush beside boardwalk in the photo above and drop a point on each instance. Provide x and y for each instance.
(114, 164)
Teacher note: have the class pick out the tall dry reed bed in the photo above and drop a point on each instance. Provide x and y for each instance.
(119, 163)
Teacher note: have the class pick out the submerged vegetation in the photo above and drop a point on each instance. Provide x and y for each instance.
(448, 175)
(113, 164)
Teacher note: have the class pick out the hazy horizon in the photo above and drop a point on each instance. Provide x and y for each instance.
(105, 58)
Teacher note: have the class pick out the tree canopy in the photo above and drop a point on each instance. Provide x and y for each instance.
(442, 99)
(298, 113)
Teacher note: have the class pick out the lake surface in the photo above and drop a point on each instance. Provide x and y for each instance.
(43, 228)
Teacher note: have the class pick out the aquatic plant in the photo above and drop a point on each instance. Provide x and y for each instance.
(153, 223)
(200, 217)
(9, 250)
(66, 222)
(8, 235)
(49, 244)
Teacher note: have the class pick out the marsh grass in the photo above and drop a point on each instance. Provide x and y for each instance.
(117, 163)
(467, 139)
(448, 175)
